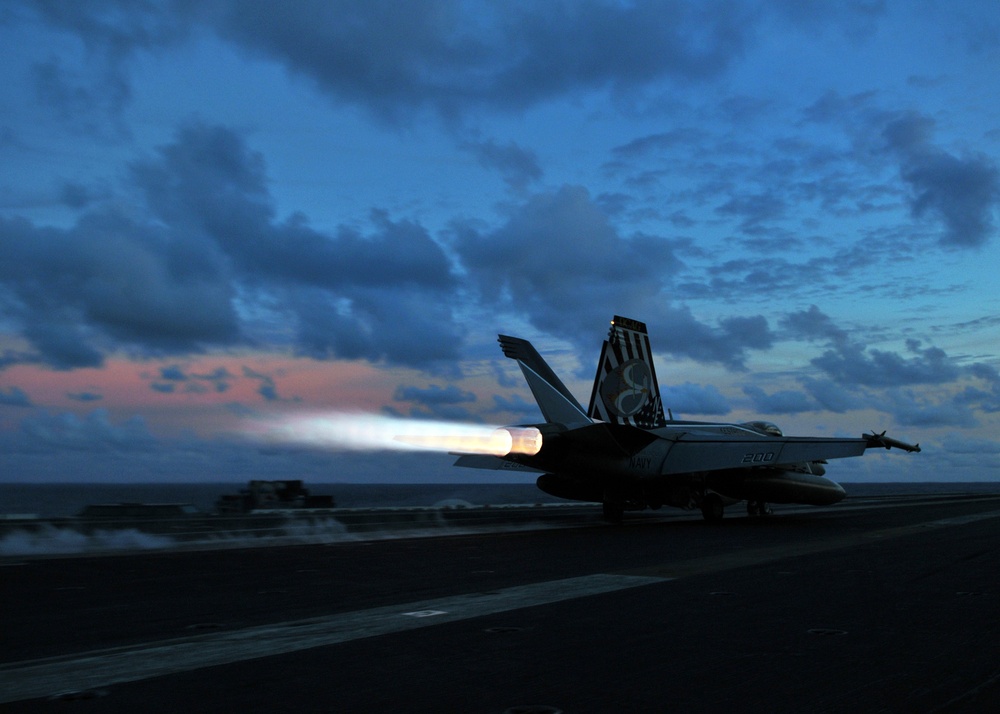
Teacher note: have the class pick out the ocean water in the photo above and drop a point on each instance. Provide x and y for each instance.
(54, 500)
(57, 500)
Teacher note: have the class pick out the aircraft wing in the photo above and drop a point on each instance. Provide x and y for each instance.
(693, 452)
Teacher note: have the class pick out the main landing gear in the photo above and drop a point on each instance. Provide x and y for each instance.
(712, 507)
(758, 508)
(614, 511)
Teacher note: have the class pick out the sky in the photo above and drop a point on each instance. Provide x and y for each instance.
(222, 213)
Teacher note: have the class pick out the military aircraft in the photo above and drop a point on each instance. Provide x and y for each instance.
(623, 453)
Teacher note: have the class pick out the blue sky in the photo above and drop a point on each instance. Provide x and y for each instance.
(218, 211)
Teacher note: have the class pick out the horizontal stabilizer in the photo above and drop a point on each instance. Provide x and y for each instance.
(492, 463)
(556, 402)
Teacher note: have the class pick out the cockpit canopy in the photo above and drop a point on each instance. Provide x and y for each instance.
(764, 427)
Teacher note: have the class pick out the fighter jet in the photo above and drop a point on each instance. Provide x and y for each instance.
(623, 453)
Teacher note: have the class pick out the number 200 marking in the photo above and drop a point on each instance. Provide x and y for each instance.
(759, 458)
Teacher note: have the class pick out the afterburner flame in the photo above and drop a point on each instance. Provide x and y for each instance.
(370, 432)
(499, 442)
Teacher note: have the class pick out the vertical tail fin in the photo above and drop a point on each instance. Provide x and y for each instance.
(625, 387)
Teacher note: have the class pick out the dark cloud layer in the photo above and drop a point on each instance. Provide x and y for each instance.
(203, 262)
(451, 56)
(186, 275)
(395, 58)
(110, 281)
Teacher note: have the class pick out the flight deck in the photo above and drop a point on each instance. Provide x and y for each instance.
(875, 604)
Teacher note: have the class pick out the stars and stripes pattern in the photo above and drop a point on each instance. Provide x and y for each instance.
(625, 375)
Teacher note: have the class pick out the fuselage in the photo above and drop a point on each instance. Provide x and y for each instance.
(652, 467)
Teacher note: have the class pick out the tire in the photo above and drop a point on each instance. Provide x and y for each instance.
(614, 512)
(712, 508)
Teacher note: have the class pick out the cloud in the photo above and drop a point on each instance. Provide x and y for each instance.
(85, 103)
(455, 57)
(93, 432)
(518, 166)
(855, 19)
(560, 262)
(727, 344)
(209, 258)
(814, 325)
(14, 397)
(987, 399)
(516, 404)
(850, 363)
(785, 401)
(433, 395)
(110, 281)
(958, 443)
(85, 396)
(382, 295)
(659, 143)
(912, 409)
(173, 376)
(173, 373)
(267, 387)
(689, 398)
(962, 192)
(219, 378)
(435, 402)
(90, 91)
(854, 364)
(394, 59)
(754, 210)
(831, 395)
(558, 256)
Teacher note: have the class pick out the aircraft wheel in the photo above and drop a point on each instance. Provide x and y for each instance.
(614, 511)
(758, 508)
(712, 507)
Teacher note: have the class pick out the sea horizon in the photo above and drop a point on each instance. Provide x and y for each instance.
(57, 499)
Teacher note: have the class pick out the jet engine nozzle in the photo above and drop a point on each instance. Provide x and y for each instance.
(525, 440)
